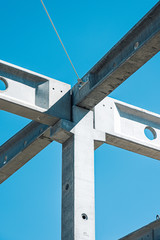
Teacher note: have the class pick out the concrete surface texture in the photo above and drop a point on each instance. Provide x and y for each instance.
(82, 119)
(149, 232)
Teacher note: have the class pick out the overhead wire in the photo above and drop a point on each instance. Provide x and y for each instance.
(60, 40)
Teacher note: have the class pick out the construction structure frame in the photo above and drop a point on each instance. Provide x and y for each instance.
(83, 117)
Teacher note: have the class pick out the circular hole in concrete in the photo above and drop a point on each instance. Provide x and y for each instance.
(5, 159)
(3, 84)
(150, 133)
(84, 216)
(136, 45)
(67, 186)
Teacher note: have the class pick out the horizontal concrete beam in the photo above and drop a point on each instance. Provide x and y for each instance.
(34, 96)
(28, 142)
(47, 100)
(148, 232)
(62, 130)
(129, 127)
(115, 123)
(22, 147)
(138, 46)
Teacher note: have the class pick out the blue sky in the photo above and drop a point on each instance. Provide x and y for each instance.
(127, 184)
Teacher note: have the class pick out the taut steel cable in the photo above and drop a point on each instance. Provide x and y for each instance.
(60, 40)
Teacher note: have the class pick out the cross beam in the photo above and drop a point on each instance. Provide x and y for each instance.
(115, 123)
(34, 96)
(80, 121)
(138, 46)
(149, 232)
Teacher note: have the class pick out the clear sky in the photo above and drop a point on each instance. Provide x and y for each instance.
(127, 184)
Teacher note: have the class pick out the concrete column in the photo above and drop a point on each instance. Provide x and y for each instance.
(78, 200)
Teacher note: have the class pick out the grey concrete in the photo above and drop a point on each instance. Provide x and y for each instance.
(139, 45)
(22, 147)
(73, 122)
(148, 232)
(78, 202)
(40, 98)
(78, 173)
(33, 95)
(28, 142)
(124, 126)
(114, 122)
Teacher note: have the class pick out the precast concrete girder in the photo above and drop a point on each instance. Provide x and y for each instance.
(33, 95)
(73, 118)
(129, 127)
(115, 123)
(138, 46)
(148, 232)
(28, 142)
(22, 147)
(47, 100)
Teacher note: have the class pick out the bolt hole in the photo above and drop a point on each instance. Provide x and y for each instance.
(53, 88)
(103, 105)
(67, 186)
(84, 216)
(136, 45)
(5, 160)
(61, 91)
(150, 133)
(3, 84)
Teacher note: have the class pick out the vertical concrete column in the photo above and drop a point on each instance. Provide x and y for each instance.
(78, 200)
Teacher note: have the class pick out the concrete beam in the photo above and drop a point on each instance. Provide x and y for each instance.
(148, 232)
(34, 96)
(62, 130)
(115, 123)
(47, 100)
(127, 127)
(138, 46)
(22, 147)
(28, 142)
